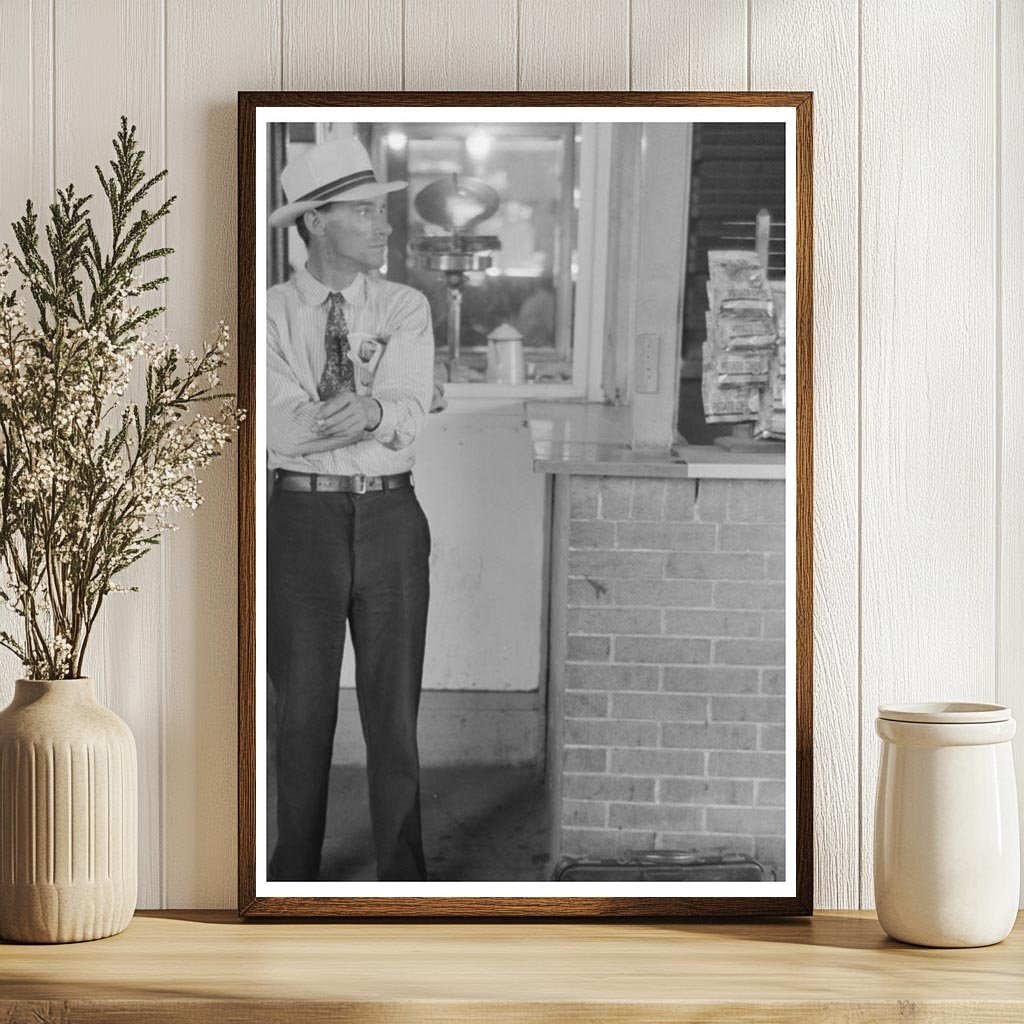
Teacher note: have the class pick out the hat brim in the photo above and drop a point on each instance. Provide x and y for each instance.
(288, 214)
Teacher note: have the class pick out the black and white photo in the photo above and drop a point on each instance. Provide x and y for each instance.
(524, 453)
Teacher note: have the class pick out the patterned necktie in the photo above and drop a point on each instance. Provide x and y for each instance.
(338, 374)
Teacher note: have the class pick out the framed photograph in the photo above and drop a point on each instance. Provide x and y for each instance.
(525, 492)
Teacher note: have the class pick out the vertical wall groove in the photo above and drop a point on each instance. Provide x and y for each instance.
(629, 36)
(519, 38)
(997, 257)
(53, 96)
(749, 43)
(859, 582)
(31, 86)
(162, 550)
(32, 99)
(1011, 352)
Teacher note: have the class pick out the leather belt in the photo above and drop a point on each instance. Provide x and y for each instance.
(326, 483)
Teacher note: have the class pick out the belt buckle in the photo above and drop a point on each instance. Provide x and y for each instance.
(359, 484)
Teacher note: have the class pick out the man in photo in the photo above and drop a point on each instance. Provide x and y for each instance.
(349, 377)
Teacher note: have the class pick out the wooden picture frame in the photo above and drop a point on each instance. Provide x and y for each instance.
(258, 897)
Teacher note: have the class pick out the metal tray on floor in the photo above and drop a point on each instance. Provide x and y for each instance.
(661, 866)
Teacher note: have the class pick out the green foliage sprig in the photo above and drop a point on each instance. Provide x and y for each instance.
(89, 478)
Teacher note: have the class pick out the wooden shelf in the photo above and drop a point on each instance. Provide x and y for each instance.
(207, 966)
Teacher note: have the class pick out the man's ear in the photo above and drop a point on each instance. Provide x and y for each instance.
(314, 222)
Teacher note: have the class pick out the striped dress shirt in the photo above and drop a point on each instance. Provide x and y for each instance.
(296, 322)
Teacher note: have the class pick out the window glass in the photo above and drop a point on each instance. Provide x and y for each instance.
(529, 285)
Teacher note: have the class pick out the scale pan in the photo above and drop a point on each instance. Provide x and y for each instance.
(456, 203)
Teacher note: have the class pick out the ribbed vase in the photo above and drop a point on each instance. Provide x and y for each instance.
(68, 815)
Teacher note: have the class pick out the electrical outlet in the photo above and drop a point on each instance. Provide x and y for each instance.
(648, 348)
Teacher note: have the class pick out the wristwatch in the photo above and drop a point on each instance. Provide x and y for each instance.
(380, 418)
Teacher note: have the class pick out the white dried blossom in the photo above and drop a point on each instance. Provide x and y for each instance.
(88, 482)
(103, 427)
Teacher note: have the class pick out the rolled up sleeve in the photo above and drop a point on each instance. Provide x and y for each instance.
(290, 409)
(404, 382)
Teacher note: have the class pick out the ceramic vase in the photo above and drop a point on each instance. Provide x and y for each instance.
(68, 815)
(947, 847)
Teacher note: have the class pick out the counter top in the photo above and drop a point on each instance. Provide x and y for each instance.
(588, 438)
(201, 966)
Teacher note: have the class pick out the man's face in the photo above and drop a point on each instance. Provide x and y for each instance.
(354, 234)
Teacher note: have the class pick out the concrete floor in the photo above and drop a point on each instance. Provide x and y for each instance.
(480, 824)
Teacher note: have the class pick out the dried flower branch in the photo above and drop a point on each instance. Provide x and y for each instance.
(88, 478)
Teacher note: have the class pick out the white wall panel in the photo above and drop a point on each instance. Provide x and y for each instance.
(700, 44)
(466, 45)
(1010, 314)
(126, 663)
(26, 171)
(830, 70)
(928, 402)
(26, 102)
(213, 51)
(348, 44)
(573, 44)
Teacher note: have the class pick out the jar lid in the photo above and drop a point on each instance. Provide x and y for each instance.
(945, 712)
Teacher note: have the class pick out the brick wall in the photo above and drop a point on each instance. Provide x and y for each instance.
(674, 705)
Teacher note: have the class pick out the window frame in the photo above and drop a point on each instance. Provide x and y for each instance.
(588, 313)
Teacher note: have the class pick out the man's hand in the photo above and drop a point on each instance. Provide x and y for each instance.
(346, 417)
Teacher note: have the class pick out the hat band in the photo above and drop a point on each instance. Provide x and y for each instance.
(338, 185)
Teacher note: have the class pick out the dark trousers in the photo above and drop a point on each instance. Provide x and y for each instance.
(334, 558)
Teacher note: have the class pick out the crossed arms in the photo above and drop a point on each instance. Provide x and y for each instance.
(402, 389)
(336, 423)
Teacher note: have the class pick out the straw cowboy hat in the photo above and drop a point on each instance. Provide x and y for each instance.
(327, 173)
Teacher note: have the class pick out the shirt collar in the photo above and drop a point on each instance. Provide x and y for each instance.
(315, 292)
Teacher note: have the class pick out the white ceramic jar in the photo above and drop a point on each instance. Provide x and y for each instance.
(947, 847)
